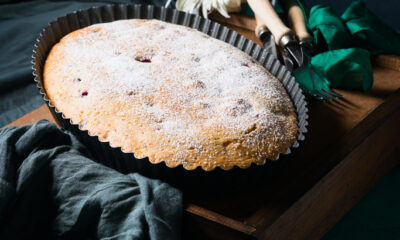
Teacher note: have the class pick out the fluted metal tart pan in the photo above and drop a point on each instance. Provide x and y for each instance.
(125, 162)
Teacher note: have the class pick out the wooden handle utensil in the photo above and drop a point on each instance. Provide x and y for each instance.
(267, 15)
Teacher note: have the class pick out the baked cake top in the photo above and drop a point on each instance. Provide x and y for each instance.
(170, 93)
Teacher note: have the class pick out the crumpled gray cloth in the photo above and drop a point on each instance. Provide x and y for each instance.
(50, 189)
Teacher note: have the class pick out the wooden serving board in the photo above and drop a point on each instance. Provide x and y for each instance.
(352, 143)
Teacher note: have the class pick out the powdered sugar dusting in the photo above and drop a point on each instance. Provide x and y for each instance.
(188, 90)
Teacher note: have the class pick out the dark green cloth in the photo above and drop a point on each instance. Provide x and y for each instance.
(371, 33)
(328, 29)
(345, 68)
(20, 25)
(343, 46)
(50, 189)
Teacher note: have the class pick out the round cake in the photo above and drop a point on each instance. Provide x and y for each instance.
(170, 93)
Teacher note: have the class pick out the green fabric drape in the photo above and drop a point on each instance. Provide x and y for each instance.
(328, 29)
(343, 45)
(370, 32)
(345, 68)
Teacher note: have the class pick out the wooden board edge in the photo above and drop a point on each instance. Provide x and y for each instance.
(338, 191)
(27, 118)
(214, 217)
(329, 207)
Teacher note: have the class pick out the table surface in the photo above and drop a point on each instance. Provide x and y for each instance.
(352, 143)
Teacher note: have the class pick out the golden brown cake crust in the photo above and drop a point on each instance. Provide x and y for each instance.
(170, 93)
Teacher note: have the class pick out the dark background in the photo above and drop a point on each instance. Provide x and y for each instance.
(387, 10)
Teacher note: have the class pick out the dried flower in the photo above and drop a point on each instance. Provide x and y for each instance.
(207, 6)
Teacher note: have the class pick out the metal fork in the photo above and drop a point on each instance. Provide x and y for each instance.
(324, 92)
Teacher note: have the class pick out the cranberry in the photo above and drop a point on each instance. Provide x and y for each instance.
(85, 93)
(144, 60)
